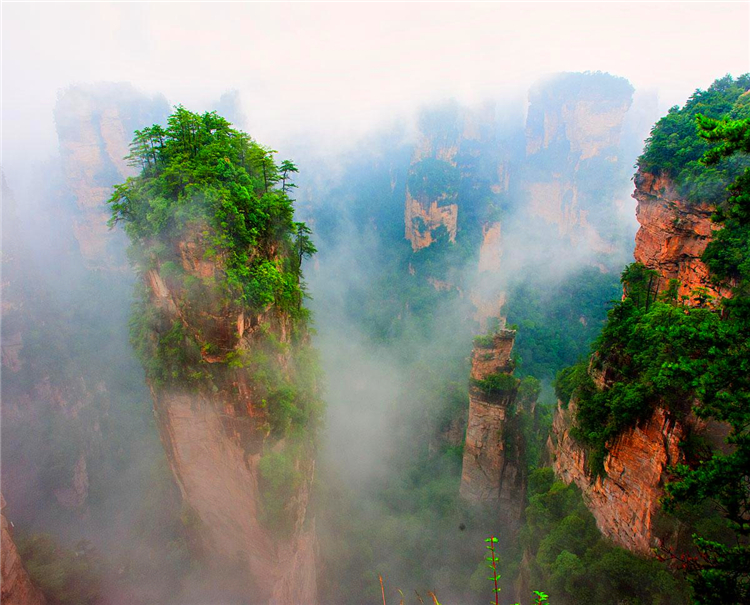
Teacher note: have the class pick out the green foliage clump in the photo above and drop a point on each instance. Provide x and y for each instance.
(484, 341)
(169, 355)
(66, 576)
(675, 147)
(497, 383)
(200, 174)
(722, 481)
(557, 324)
(649, 353)
(209, 196)
(433, 179)
(529, 390)
(572, 559)
(568, 379)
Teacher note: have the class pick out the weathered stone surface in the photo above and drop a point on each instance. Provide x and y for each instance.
(214, 438)
(624, 503)
(422, 217)
(671, 240)
(16, 587)
(673, 235)
(492, 472)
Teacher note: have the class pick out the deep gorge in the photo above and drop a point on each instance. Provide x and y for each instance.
(230, 377)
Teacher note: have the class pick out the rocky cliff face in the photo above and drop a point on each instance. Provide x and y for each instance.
(450, 143)
(573, 146)
(671, 240)
(95, 125)
(492, 471)
(626, 501)
(216, 434)
(673, 235)
(16, 587)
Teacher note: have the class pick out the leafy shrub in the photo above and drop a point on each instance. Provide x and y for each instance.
(66, 576)
(675, 149)
(497, 383)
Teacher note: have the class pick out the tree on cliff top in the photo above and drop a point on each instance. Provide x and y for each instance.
(199, 172)
(722, 571)
(211, 212)
(675, 148)
(654, 351)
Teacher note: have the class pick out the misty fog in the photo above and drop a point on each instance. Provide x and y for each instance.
(464, 168)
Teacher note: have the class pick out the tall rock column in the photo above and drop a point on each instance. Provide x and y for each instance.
(222, 333)
(493, 472)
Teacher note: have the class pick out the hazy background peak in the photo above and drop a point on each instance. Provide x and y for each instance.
(330, 72)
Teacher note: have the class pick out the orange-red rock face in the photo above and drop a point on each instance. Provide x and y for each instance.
(625, 502)
(16, 587)
(671, 240)
(673, 235)
(492, 472)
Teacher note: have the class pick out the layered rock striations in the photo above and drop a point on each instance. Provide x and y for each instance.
(625, 500)
(16, 587)
(673, 235)
(493, 472)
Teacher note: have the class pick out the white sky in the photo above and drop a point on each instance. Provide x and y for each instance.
(334, 70)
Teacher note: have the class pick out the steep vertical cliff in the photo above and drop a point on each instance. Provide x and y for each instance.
(673, 235)
(493, 469)
(625, 500)
(15, 585)
(221, 331)
(94, 126)
(637, 413)
(246, 485)
(574, 156)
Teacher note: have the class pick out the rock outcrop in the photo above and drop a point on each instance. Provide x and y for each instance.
(217, 433)
(493, 471)
(625, 501)
(95, 125)
(16, 587)
(673, 235)
(424, 216)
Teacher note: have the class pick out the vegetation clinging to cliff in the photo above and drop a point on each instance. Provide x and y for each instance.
(675, 148)
(210, 212)
(651, 352)
(200, 173)
(658, 352)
